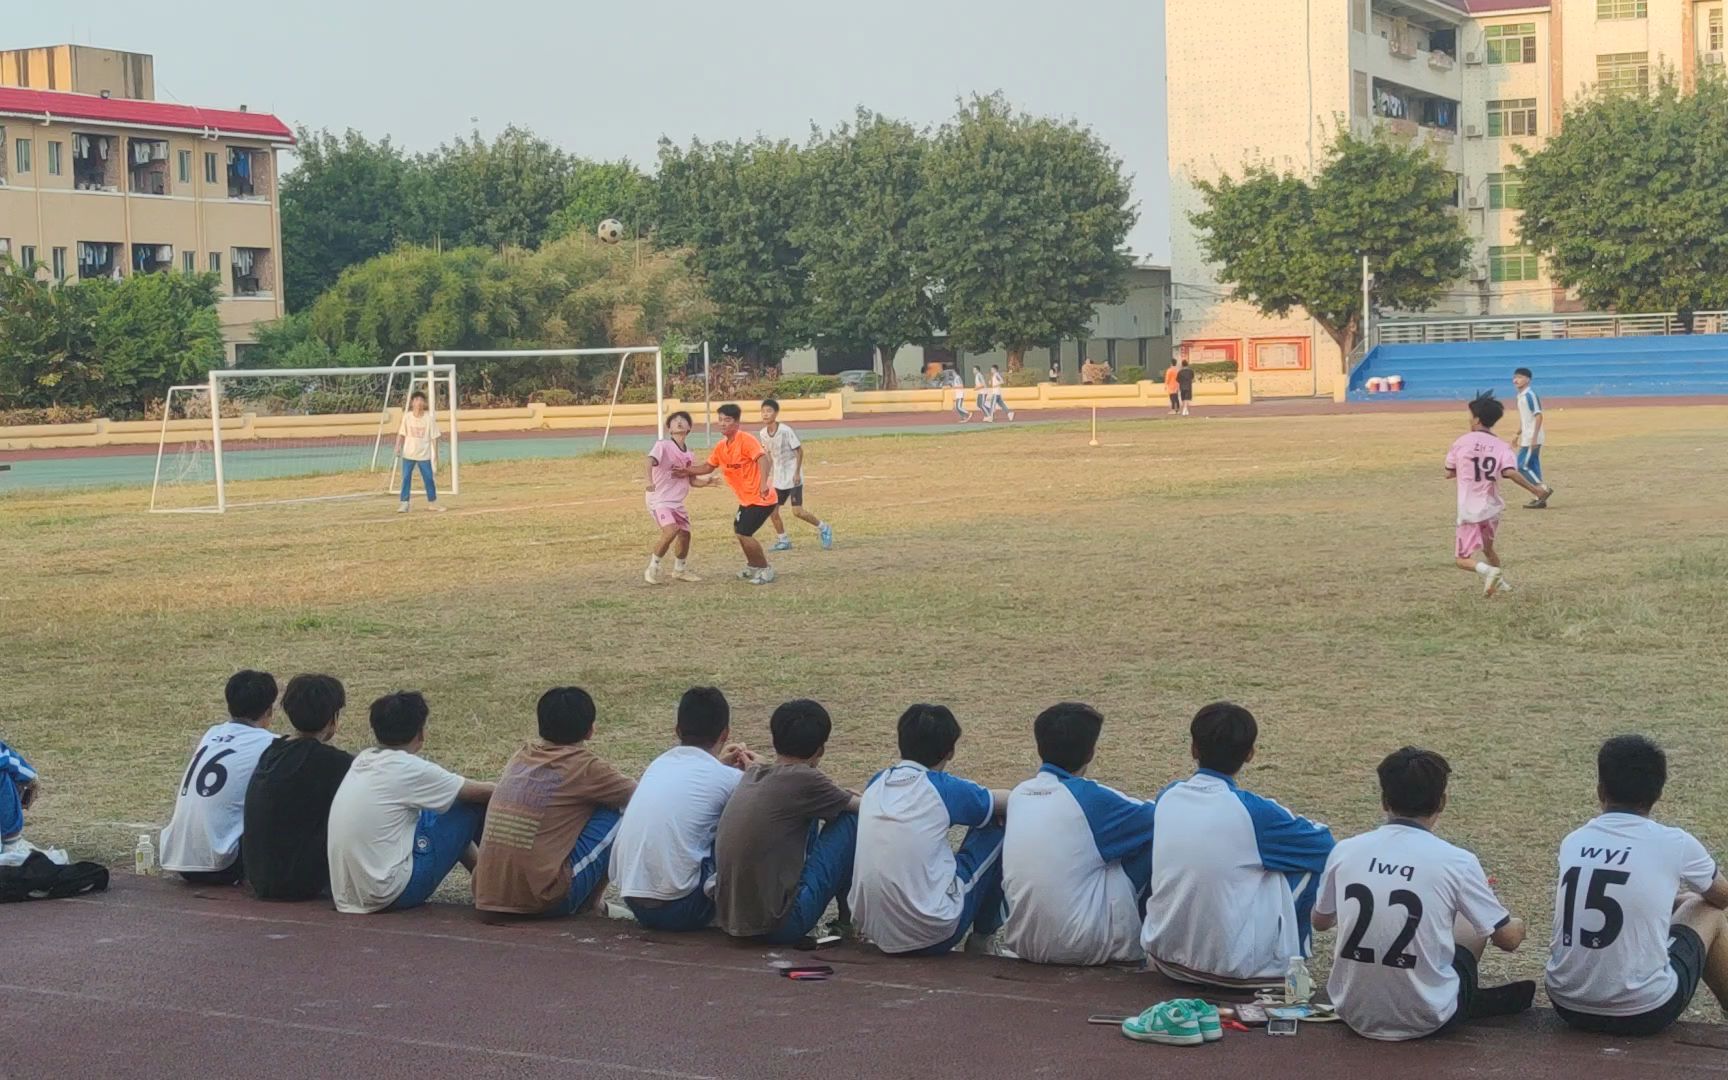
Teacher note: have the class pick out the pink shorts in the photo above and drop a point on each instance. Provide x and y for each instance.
(1473, 536)
(670, 515)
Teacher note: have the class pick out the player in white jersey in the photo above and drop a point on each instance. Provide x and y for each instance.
(1625, 960)
(786, 453)
(201, 842)
(1532, 433)
(1414, 914)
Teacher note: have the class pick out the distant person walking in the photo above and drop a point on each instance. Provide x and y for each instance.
(1185, 385)
(982, 393)
(996, 402)
(1173, 385)
(957, 383)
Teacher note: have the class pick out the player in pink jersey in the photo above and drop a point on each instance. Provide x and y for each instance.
(667, 488)
(1478, 461)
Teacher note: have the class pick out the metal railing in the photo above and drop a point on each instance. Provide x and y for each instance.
(1433, 331)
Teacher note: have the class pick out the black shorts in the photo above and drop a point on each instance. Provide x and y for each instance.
(1188, 393)
(750, 518)
(1469, 976)
(1686, 957)
(791, 495)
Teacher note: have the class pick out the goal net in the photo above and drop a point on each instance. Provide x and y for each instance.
(256, 438)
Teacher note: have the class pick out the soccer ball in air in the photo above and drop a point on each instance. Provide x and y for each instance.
(611, 231)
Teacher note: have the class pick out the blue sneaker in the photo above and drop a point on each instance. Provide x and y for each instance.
(781, 545)
(827, 536)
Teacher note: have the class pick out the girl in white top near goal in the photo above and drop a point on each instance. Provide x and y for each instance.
(416, 445)
(787, 455)
(1638, 909)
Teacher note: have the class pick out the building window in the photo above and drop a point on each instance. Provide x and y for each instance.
(98, 260)
(1505, 191)
(5, 247)
(92, 167)
(185, 170)
(188, 263)
(27, 257)
(1513, 43)
(23, 153)
(215, 262)
(54, 150)
(1623, 71)
(1512, 264)
(209, 168)
(1713, 34)
(243, 179)
(147, 160)
(152, 258)
(1515, 116)
(1622, 9)
(59, 264)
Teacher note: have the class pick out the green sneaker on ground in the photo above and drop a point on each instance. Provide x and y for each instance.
(1168, 1022)
(1206, 1017)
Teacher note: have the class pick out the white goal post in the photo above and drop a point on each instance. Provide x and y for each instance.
(254, 437)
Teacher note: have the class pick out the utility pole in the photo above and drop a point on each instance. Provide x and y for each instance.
(1367, 304)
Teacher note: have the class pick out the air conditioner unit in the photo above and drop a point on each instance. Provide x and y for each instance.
(1472, 57)
(1713, 58)
(1474, 202)
(1472, 131)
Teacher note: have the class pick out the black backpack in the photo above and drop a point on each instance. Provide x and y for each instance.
(41, 878)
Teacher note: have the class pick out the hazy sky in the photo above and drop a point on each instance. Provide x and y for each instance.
(607, 80)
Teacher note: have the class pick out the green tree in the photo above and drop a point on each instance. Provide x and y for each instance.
(1282, 242)
(478, 194)
(345, 202)
(736, 206)
(597, 190)
(868, 279)
(1024, 220)
(44, 343)
(152, 331)
(1628, 203)
(416, 299)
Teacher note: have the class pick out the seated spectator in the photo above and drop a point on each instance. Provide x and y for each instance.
(1092, 373)
(19, 787)
(287, 814)
(663, 858)
(399, 824)
(1413, 914)
(550, 824)
(1625, 960)
(201, 842)
(1233, 874)
(1078, 855)
(783, 849)
(912, 894)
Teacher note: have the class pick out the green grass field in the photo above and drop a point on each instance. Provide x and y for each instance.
(1300, 566)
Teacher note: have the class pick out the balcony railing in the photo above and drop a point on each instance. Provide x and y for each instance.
(1544, 327)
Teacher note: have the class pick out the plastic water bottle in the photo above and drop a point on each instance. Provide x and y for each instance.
(144, 856)
(1298, 983)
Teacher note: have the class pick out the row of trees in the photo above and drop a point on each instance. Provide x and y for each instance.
(1000, 228)
(1628, 205)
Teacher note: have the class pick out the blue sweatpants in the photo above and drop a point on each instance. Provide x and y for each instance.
(694, 911)
(827, 874)
(1530, 464)
(1305, 887)
(11, 808)
(439, 841)
(426, 480)
(978, 871)
(589, 859)
(1138, 867)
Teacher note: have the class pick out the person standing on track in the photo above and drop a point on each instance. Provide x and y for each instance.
(787, 453)
(749, 473)
(1185, 385)
(1173, 384)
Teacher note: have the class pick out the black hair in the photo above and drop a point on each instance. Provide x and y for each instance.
(703, 716)
(250, 694)
(421, 394)
(1223, 734)
(1524, 371)
(1632, 771)
(731, 410)
(928, 734)
(566, 715)
(676, 415)
(1067, 735)
(312, 702)
(399, 718)
(1487, 408)
(800, 728)
(1413, 782)
(770, 403)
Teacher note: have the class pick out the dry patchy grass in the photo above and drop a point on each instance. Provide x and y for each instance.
(1300, 565)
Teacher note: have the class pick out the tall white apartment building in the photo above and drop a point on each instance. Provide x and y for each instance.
(1271, 80)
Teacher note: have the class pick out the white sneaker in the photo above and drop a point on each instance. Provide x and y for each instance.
(402, 509)
(747, 574)
(1010, 416)
(652, 575)
(763, 576)
(435, 508)
(1491, 584)
(685, 575)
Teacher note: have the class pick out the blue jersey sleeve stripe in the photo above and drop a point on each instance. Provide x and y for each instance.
(12, 762)
(1120, 825)
(967, 803)
(1287, 842)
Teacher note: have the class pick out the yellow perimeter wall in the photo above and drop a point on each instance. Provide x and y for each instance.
(537, 417)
